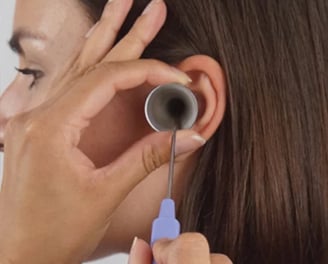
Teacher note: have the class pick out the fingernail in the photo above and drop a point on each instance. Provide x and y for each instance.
(135, 240)
(188, 144)
(91, 30)
(184, 78)
(133, 256)
(150, 6)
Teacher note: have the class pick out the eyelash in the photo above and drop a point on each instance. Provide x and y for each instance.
(37, 75)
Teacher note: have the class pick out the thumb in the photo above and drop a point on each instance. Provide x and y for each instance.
(220, 259)
(144, 157)
(140, 252)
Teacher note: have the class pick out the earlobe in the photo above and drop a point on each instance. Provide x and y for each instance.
(208, 84)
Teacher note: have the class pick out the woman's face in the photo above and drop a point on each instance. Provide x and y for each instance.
(47, 36)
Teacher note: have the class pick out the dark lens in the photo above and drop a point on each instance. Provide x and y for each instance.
(176, 108)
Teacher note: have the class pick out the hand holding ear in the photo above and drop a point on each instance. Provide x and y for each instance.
(55, 205)
(191, 248)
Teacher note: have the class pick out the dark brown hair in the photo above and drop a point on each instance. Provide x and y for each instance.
(260, 190)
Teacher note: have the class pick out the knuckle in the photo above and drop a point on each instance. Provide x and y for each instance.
(27, 126)
(220, 258)
(193, 239)
(156, 66)
(190, 242)
(226, 259)
(92, 69)
(135, 39)
(151, 158)
(78, 67)
(105, 66)
(76, 70)
(32, 128)
(153, 63)
(114, 28)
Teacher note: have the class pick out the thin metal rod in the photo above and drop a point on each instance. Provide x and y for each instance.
(172, 161)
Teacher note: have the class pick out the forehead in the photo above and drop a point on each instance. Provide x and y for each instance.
(49, 17)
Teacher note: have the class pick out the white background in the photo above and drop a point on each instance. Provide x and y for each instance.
(7, 63)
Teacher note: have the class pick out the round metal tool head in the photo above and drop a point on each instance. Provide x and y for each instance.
(171, 106)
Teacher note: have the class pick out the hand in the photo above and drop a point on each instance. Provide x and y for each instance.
(55, 205)
(191, 248)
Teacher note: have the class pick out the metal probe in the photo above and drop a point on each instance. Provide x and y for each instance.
(171, 165)
(170, 107)
(166, 225)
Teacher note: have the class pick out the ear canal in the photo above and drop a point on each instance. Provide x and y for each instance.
(171, 106)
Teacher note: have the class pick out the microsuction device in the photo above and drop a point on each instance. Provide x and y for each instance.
(170, 107)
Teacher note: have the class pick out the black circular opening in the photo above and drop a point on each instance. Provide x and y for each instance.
(176, 109)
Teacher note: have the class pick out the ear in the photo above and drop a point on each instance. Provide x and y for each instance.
(209, 86)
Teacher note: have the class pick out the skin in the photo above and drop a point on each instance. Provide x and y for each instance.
(107, 137)
(110, 141)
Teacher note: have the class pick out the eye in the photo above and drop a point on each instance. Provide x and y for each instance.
(37, 75)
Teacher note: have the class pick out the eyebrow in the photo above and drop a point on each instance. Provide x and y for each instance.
(15, 40)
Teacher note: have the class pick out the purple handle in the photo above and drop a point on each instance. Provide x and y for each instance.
(166, 225)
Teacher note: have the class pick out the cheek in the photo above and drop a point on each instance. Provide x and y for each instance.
(116, 128)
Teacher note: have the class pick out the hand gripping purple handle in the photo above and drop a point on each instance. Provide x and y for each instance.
(166, 225)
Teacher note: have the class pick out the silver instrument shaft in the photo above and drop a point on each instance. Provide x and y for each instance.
(171, 166)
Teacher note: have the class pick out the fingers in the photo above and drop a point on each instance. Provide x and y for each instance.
(131, 47)
(98, 47)
(141, 34)
(188, 248)
(220, 259)
(143, 158)
(103, 35)
(97, 90)
(191, 248)
(140, 252)
(94, 92)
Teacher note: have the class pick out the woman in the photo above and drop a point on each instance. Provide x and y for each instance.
(257, 190)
